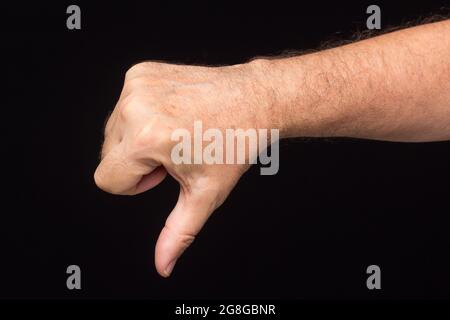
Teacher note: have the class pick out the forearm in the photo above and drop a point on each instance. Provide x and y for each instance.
(392, 87)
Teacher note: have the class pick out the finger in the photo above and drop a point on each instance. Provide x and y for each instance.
(119, 174)
(182, 226)
(151, 180)
(111, 129)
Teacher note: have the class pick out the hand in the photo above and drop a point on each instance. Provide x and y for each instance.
(158, 98)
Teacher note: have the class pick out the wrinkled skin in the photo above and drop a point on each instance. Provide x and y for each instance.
(158, 98)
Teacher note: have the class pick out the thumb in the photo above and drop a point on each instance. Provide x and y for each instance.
(183, 224)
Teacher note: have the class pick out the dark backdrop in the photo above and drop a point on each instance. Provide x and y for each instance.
(334, 208)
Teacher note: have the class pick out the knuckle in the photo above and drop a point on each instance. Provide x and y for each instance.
(151, 134)
(135, 69)
(134, 83)
(107, 184)
(186, 239)
(105, 149)
(141, 68)
(108, 128)
(99, 180)
(128, 107)
(183, 237)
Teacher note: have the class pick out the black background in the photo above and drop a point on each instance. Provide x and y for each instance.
(334, 208)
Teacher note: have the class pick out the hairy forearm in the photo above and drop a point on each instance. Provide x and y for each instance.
(392, 87)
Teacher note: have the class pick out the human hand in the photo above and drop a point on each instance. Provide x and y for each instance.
(158, 98)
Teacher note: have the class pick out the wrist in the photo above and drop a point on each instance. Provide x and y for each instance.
(268, 93)
(306, 95)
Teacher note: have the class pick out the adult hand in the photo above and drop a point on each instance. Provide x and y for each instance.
(158, 98)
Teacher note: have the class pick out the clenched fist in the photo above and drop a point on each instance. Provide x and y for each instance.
(158, 98)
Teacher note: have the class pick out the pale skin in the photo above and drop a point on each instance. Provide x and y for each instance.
(393, 87)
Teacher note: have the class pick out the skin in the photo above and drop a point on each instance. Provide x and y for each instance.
(393, 87)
